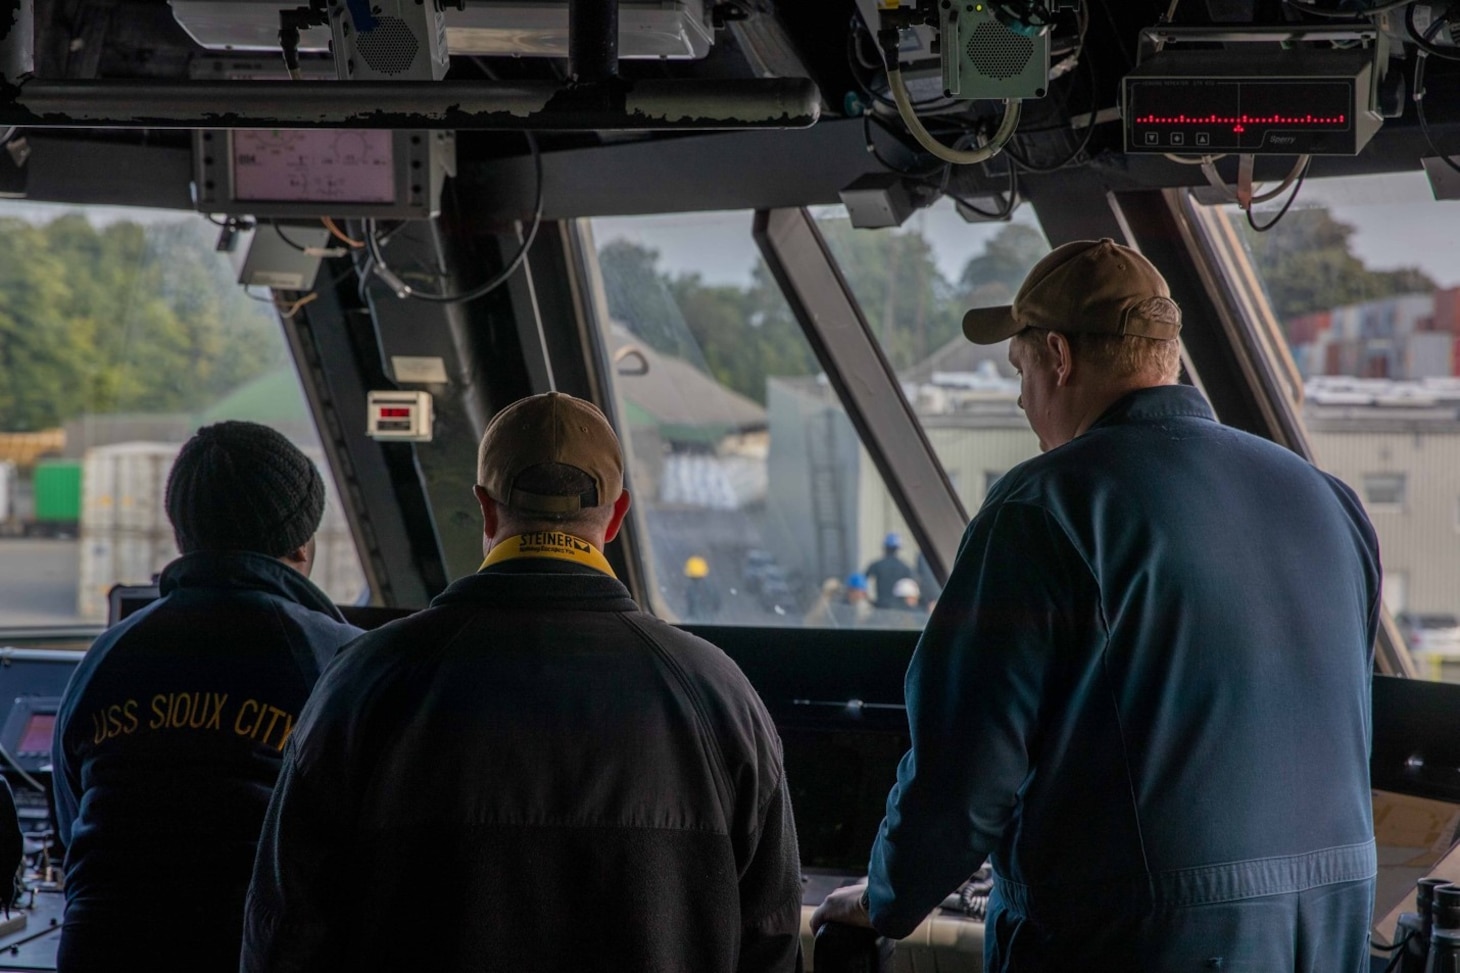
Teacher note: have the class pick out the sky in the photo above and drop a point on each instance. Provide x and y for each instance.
(1399, 222)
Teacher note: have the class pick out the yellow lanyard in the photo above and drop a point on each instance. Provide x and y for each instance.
(549, 543)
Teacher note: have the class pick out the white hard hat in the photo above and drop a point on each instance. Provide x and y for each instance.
(906, 588)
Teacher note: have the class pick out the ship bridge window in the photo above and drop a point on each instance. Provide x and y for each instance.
(913, 284)
(749, 481)
(121, 332)
(1362, 278)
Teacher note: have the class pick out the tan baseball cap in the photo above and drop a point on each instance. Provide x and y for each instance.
(1094, 286)
(550, 428)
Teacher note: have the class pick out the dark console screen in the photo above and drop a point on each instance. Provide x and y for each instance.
(36, 738)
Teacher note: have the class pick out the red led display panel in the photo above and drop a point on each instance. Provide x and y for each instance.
(1197, 117)
(394, 412)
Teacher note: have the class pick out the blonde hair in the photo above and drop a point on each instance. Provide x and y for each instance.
(1117, 355)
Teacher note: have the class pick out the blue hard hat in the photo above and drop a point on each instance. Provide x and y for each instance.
(857, 582)
(893, 539)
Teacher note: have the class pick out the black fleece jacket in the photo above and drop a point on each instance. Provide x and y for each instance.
(531, 775)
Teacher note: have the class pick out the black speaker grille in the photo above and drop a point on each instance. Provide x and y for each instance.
(390, 48)
(998, 52)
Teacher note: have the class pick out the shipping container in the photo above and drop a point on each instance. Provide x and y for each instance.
(124, 486)
(57, 484)
(111, 557)
(8, 483)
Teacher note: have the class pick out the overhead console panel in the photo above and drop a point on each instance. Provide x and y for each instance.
(1252, 98)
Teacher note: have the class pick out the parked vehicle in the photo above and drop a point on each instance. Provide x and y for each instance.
(1434, 639)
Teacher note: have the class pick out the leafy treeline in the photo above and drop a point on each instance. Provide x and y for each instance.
(122, 318)
(910, 305)
(1307, 264)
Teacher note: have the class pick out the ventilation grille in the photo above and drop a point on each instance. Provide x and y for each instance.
(998, 52)
(390, 48)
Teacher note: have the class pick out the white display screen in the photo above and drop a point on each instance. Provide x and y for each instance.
(314, 166)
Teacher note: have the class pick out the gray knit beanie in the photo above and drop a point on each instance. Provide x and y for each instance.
(240, 486)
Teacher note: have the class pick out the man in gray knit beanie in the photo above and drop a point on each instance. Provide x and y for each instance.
(240, 486)
(174, 725)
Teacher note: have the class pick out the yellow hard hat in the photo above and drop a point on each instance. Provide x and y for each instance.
(696, 567)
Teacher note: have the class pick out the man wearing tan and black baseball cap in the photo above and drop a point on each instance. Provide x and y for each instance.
(1094, 321)
(1144, 693)
(584, 786)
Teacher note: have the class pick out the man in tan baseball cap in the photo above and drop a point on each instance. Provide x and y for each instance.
(1092, 322)
(541, 740)
(549, 465)
(1092, 701)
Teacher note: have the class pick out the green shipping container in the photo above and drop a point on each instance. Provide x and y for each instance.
(58, 491)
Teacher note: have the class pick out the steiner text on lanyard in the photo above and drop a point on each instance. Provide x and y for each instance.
(552, 544)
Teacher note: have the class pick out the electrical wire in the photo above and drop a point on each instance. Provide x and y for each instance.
(867, 119)
(232, 222)
(1397, 950)
(1005, 210)
(382, 270)
(1423, 40)
(1209, 169)
(1082, 55)
(279, 231)
(1419, 100)
(1297, 188)
(1084, 142)
(362, 286)
(338, 234)
(291, 308)
(1194, 160)
(854, 54)
(938, 149)
(21, 771)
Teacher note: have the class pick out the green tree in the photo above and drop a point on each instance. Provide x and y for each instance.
(994, 276)
(744, 335)
(638, 296)
(907, 302)
(1307, 264)
(119, 319)
(40, 370)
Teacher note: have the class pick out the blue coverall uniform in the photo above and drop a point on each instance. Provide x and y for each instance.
(1145, 694)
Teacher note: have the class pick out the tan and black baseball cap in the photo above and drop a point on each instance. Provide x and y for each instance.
(550, 428)
(1093, 286)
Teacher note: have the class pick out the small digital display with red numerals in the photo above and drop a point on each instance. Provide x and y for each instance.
(394, 412)
(1199, 117)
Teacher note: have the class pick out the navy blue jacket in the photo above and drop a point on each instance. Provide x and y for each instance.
(1144, 693)
(168, 743)
(530, 775)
